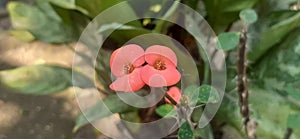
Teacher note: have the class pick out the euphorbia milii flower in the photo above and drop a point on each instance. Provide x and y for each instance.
(173, 92)
(161, 69)
(126, 63)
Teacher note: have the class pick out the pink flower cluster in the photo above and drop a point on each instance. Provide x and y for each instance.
(135, 67)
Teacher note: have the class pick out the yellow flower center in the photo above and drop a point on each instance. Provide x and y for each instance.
(128, 68)
(159, 65)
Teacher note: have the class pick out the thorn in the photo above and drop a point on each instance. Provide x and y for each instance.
(244, 95)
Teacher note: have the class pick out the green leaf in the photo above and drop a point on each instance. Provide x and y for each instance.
(277, 73)
(102, 67)
(69, 4)
(221, 13)
(279, 70)
(192, 93)
(249, 16)
(44, 25)
(293, 121)
(271, 111)
(22, 35)
(94, 7)
(265, 7)
(161, 25)
(194, 4)
(202, 94)
(153, 8)
(185, 131)
(228, 41)
(208, 94)
(166, 110)
(271, 34)
(294, 93)
(229, 112)
(106, 18)
(107, 25)
(123, 35)
(41, 79)
(108, 106)
(196, 114)
(268, 109)
(47, 9)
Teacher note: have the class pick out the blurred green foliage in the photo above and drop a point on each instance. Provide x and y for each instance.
(42, 79)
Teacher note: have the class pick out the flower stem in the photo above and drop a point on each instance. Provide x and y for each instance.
(171, 99)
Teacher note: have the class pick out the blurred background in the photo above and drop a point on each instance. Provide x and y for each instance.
(38, 37)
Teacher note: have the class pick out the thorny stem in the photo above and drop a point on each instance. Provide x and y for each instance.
(250, 126)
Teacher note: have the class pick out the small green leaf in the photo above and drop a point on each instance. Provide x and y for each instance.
(294, 121)
(192, 93)
(41, 79)
(166, 110)
(185, 131)
(208, 94)
(196, 114)
(228, 41)
(249, 16)
(202, 94)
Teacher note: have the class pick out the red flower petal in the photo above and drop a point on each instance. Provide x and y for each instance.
(160, 78)
(131, 54)
(160, 52)
(128, 83)
(173, 92)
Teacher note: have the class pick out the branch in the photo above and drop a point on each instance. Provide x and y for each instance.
(250, 126)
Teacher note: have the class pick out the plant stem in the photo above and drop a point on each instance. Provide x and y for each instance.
(288, 133)
(206, 79)
(250, 126)
(171, 99)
